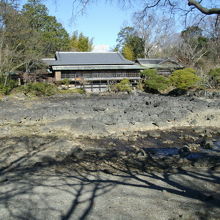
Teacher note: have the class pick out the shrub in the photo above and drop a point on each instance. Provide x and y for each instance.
(154, 82)
(214, 77)
(63, 82)
(39, 89)
(140, 86)
(148, 73)
(6, 85)
(184, 79)
(123, 86)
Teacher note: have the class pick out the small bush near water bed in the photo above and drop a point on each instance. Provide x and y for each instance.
(39, 89)
(184, 79)
(123, 86)
(154, 82)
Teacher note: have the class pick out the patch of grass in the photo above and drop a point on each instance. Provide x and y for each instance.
(68, 91)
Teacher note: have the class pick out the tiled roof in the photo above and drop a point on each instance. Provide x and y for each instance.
(87, 58)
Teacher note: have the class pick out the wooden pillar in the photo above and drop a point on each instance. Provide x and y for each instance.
(57, 75)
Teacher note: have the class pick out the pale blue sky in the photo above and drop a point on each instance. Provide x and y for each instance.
(101, 21)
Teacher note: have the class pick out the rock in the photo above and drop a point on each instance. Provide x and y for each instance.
(198, 130)
(60, 156)
(208, 133)
(157, 104)
(206, 143)
(193, 147)
(168, 142)
(184, 151)
(210, 117)
(99, 109)
(48, 160)
(141, 154)
(193, 122)
(132, 138)
(3, 179)
(215, 168)
(154, 134)
(183, 161)
(78, 153)
(177, 92)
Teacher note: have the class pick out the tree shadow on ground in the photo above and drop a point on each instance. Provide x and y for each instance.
(74, 188)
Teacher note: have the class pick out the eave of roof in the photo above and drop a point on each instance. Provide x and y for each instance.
(99, 67)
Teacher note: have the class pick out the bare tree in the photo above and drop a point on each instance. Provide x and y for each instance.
(207, 7)
(211, 27)
(192, 46)
(155, 31)
(190, 54)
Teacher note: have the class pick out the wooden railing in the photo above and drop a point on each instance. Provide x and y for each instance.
(99, 75)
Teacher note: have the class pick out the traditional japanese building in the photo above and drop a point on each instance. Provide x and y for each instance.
(163, 66)
(94, 70)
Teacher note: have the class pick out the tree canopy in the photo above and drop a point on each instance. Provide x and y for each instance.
(79, 42)
(129, 43)
(53, 36)
(29, 34)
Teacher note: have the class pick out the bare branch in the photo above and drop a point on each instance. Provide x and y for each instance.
(202, 9)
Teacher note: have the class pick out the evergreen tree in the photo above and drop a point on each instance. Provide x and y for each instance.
(79, 42)
(53, 36)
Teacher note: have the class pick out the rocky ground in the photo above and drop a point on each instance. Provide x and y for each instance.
(122, 156)
(110, 114)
